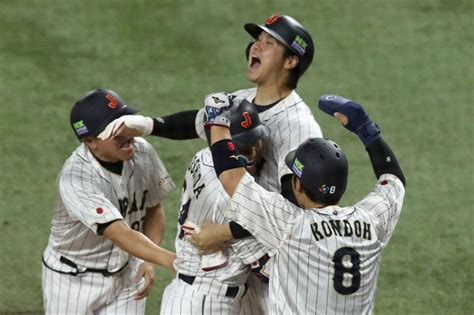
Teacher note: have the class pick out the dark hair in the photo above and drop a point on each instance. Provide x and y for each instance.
(326, 200)
(294, 74)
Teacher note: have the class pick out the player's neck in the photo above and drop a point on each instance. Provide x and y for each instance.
(269, 94)
(309, 204)
(112, 165)
(305, 202)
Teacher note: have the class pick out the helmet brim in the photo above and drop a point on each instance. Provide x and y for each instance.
(290, 159)
(125, 110)
(254, 30)
(248, 138)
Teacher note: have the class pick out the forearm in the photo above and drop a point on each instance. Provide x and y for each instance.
(179, 126)
(211, 237)
(154, 224)
(138, 245)
(227, 163)
(384, 160)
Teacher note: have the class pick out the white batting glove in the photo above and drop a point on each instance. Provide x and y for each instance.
(217, 107)
(128, 126)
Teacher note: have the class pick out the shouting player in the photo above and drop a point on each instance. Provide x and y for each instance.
(327, 256)
(205, 285)
(280, 54)
(107, 218)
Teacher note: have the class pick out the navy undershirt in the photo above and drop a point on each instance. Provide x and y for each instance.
(114, 167)
(262, 108)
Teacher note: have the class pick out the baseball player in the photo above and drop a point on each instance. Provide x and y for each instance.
(280, 54)
(209, 287)
(327, 256)
(110, 196)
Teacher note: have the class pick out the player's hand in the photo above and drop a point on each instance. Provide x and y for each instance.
(146, 271)
(128, 126)
(217, 107)
(350, 114)
(211, 238)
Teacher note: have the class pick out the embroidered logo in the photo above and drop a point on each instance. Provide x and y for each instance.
(247, 122)
(272, 19)
(80, 127)
(113, 102)
(299, 44)
(297, 168)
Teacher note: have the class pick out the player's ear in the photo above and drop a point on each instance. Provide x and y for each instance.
(299, 186)
(291, 62)
(296, 183)
(90, 142)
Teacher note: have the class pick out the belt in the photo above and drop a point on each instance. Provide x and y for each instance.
(104, 272)
(231, 291)
(70, 263)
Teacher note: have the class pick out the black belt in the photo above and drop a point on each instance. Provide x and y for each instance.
(231, 291)
(70, 263)
(104, 272)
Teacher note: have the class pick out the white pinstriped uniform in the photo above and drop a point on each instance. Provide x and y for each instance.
(205, 200)
(291, 122)
(89, 195)
(333, 253)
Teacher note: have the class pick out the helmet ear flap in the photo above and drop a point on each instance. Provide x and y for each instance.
(247, 50)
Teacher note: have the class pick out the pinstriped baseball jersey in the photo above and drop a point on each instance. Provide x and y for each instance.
(291, 122)
(89, 195)
(333, 253)
(205, 200)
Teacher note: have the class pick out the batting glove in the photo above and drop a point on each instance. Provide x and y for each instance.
(357, 119)
(217, 107)
(128, 125)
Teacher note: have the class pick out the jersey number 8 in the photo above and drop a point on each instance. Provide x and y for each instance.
(346, 270)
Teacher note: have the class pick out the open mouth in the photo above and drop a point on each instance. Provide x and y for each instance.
(254, 62)
(127, 144)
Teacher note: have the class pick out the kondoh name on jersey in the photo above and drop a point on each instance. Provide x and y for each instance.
(343, 228)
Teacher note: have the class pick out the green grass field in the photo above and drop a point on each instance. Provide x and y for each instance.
(409, 62)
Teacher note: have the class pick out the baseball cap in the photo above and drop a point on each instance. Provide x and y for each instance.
(91, 114)
(290, 33)
(322, 167)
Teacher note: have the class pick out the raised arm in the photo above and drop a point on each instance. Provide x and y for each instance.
(228, 164)
(354, 118)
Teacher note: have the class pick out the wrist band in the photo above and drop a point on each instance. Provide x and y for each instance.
(226, 157)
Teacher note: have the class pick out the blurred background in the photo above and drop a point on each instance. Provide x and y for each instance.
(409, 62)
